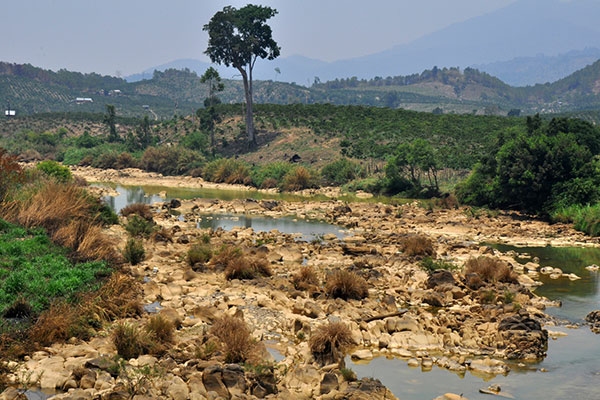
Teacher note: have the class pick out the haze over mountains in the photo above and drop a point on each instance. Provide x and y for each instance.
(501, 43)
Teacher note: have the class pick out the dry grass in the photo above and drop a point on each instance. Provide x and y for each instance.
(235, 336)
(139, 209)
(329, 342)
(54, 325)
(134, 251)
(305, 278)
(199, 254)
(162, 235)
(490, 270)
(221, 259)
(160, 328)
(346, 285)
(87, 240)
(244, 267)
(298, 179)
(130, 341)
(117, 298)
(418, 246)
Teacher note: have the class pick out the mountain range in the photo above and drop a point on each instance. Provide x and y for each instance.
(501, 43)
(32, 90)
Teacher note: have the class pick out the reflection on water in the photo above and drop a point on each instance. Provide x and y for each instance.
(308, 229)
(578, 297)
(573, 361)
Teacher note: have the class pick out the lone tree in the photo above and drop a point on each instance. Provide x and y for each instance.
(109, 119)
(238, 38)
(209, 116)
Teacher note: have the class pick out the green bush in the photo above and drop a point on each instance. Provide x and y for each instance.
(300, 178)
(55, 170)
(227, 171)
(341, 172)
(196, 141)
(134, 251)
(585, 218)
(199, 254)
(431, 265)
(264, 176)
(139, 227)
(170, 160)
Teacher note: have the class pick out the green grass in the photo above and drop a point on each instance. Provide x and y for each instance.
(585, 219)
(34, 269)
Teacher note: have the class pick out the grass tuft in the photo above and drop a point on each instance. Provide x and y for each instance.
(329, 342)
(346, 285)
(235, 336)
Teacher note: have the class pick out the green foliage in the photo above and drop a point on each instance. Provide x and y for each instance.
(195, 141)
(110, 120)
(87, 141)
(430, 265)
(271, 174)
(139, 227)
(409, 165)
(227, 171)
(300, 178)
(552, 166)
(199, 254)
(341, 171)
(585, 218)
(134, 251)
(55, 170)
(170, 160)
(32, 267)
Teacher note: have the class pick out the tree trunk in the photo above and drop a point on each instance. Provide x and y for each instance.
(249, 116)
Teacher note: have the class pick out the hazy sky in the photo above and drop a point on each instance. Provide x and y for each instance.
(129, 36)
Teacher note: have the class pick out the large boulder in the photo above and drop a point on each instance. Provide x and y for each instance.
(594, 319)
(524, 337)
(440, 277)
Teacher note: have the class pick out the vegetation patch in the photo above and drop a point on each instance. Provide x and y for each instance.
(235, 336)
(346, 285)
(490, 270)
(417, 246)
(328, 343)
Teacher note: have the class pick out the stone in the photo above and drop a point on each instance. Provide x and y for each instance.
(434, 299)
(524, 337)
(177, 389)
(234, 380)
(104, 364)
(12, 394)
(440, 277)
(364, 354)
(329, 383)
(450, 396)
(212, 378)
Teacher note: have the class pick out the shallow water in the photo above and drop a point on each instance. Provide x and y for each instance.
(309, 229)
(573, 362)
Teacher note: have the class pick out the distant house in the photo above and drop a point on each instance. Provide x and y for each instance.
(114, 92)
(10, 113)
(81, 100)
(146, 107)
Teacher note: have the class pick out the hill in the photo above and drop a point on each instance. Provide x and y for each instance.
(524, 71)
(33, 90)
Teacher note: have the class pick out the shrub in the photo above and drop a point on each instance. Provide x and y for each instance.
(340, 172)
(170, 160)
(329, 342)
(54, 325)
(305, 278)
(299, 178)
(55, 170)
(269, 175)
(417, 246)
(134, 251)
(235, 336)
(448, 202)
(10, 173)
(160, 328)
(490, 270)
(199, 254)
(430, 265)
(348, 374)
(124, 160)
(130, 341)
(222, 257)
(139, 227)
(227, 171)
(247, 268)
(585, 218)
(346, 285)
(139, 209)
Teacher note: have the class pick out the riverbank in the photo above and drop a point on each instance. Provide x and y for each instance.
(440, 318)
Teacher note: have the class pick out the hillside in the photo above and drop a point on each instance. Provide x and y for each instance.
(32, 90)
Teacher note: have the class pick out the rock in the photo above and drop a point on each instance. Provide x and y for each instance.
(440, 277)
(212, 378)
(178, 390)
(358, 250)
(592, 267)
(171, 315)
(183, 239)
(594, 319)
(342, 209)
(364, 354)
(434, 299)
(367, 389)
(102, 363)
(88, 380)
(329, 236)
(413, 362)
(450, 396)
(489, 366)
(174, 203)
(329, 383)
(234, 380)
(12, 394)
(524, 337)
(269, 204)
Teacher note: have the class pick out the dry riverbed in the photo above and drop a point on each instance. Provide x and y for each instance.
(443, 318)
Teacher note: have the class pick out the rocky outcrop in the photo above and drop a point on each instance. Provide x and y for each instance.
(524, 337)
(594, 319)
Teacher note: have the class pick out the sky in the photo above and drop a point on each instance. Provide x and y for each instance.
(122, 37)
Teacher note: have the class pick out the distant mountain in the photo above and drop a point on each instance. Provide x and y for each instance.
(522, 29)
(523, 71)
(33, 90)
